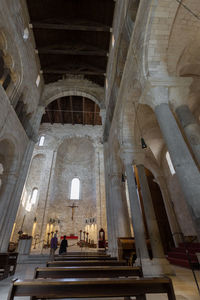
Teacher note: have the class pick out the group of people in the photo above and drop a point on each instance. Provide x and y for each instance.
(54, 245)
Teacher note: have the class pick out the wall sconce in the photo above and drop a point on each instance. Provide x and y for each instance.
(35, 220)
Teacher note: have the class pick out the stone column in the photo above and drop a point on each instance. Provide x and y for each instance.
(100, 190)
(9, 219)
(156, 243)
(186, 169)
(179, 98)
(136, 213)
(112, 238)
(12, 207)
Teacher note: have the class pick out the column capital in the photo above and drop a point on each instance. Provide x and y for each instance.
(131, 156)
(162, 90)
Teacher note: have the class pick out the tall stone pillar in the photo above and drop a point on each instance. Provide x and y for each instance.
(112, 237)
(155, 239)
(13, 203)
(179, 98)
(136, 213)
(100, 189)
(12, 208)
(181, 157)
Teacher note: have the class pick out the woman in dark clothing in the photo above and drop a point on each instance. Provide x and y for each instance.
(63, 246)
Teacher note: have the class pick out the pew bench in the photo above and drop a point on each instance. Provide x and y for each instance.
(92, 288)
(76, 263)
(4, 265)
(63, 257)
(88, 272)
(84, 254)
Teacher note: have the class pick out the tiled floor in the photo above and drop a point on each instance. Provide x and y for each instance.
(184, 284)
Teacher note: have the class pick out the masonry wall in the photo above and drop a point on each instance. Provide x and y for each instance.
(69, 151)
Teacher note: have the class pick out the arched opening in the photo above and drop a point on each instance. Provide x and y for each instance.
(72, 110)
(159, 208)
(41, 141)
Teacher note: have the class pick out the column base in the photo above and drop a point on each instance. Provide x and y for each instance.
(156, 267)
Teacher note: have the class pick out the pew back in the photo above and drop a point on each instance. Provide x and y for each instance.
(92, 288)
(87, 272)
(85, 263)
(65, 257)
(4, 266)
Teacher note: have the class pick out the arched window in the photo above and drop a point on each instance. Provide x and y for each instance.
(171, 167)
(75, 189)
(31, 199)
(34, 196)
(41, 140)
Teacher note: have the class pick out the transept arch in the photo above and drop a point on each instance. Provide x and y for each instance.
(73, 87)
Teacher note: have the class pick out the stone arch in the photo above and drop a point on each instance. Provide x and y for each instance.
(154, 55)
(73, 87)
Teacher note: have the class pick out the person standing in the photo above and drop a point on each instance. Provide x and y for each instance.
(63, 246)
(54, 245)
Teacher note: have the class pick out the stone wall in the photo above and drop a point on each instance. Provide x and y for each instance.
(69, 151)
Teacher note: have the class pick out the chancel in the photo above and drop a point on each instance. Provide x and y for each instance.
(100, 142)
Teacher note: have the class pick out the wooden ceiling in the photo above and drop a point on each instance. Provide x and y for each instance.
(72, 110)
(72, 37)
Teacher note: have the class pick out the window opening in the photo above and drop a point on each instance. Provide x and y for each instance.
(34, 196)
(41, 141)
(75, 189)
(171, 167)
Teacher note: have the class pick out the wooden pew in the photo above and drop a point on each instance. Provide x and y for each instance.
(76, 263)
(12, 262)
(92, 288)
(85, 254)
(63, 258)
(88, 272)
(4, 265)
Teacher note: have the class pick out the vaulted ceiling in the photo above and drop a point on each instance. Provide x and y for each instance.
(72, 37)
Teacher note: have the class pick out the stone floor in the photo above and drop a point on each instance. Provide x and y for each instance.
(184, 284)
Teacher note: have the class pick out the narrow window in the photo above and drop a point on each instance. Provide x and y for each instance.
(34, 196)
(75, 189)
(171, 167)
(41, 140)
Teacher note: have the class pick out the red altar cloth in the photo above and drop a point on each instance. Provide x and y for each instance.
(70, 237)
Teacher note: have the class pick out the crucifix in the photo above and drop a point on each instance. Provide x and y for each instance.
(72, 207)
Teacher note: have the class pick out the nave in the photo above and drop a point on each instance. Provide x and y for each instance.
(183, 282)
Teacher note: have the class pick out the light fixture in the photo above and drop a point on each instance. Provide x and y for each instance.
(143, 144)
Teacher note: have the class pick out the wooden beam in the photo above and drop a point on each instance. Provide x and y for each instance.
(60, 111)
(49, 116)
(95, 110)
(73, 52)
(83, 110)
(75, 72)
(72, 27)
(71, 107)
